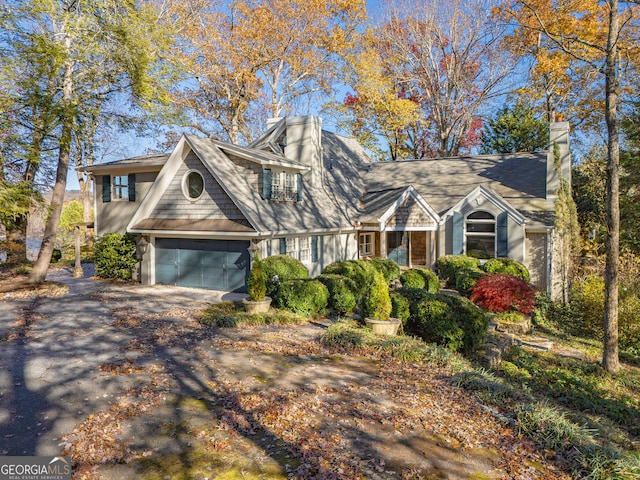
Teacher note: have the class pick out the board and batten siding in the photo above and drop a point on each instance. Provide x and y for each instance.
(214, 204)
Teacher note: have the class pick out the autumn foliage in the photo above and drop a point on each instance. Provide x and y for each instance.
(502, 293)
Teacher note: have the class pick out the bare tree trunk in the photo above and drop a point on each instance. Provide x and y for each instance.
(610, 359)
(39, 271)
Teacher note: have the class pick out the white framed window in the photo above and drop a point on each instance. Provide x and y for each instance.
(480, 235)
(284, 186)
(304, 249)
(120, 187)
(366, 244)
(193, 185)
(292, 249)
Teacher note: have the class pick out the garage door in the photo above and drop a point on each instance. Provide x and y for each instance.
(215, 264)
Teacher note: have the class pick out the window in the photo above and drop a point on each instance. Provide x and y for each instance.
(121, 187)
(366, 244)
(193, 185)
(480, 233)
(284, 186)
(304, 249)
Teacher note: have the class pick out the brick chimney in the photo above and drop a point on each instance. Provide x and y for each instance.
(558, 135)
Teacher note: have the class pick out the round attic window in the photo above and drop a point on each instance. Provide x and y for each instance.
(193, 185)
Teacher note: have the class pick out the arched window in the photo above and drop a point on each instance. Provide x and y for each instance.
(480, 232)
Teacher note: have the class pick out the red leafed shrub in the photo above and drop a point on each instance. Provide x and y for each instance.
(502, 293)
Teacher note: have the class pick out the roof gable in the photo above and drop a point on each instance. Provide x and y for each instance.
(479, 196)
(379, 207)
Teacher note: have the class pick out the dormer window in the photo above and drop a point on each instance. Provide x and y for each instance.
(481, 235)
(282, 186)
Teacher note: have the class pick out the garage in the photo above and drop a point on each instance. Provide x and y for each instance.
(214, 264)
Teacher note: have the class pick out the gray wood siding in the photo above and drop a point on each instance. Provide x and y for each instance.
(214, 204)
(114, 216)
(410, 215)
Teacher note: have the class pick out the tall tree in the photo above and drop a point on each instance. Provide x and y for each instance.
(98, 48)
(598, 35)
(260, 57)
(515, 129)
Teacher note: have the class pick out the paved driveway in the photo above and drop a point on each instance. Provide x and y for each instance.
(124, 380)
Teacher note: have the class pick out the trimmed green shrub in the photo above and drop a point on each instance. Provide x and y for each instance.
(280, 268)
(56, 255)
(115, 256)
(454, 322)
(448, 265)
(412, 279)
(506, 266)
(389, 268)
(466, 279)
(360, 271)
(400, 307)
(342, 292)
(431, 280)
(303, 296)
(257, 281)
(503, 293)
(376, 302)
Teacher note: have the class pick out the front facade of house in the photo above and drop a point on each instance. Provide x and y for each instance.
(200, 211)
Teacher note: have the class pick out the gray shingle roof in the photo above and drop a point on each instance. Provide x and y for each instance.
(520, 179)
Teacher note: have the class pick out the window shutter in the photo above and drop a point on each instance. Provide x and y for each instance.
(283, 246)
(266, 184)
(106, 188)
(132, 187)
(314, 248)
(502, 235)
(458, 234)
(299, 187)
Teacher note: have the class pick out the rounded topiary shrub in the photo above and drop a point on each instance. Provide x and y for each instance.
(506, 266)
(115, 256)
(280, 268)
(453, 322)
(389, 268)
(360, 271)
(448, 265)
(400, 307)
(431, 280)
(342, 292)
(412, 279)
(303, 296)
(376, 302)
(503, 293)
(257, 281)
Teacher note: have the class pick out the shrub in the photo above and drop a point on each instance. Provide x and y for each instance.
(389, 268)
(502, 293)
(432, 282)
(412, 279)
(466, 279)
(454, 322)
(302, 296)
(376, 302)
(56, 255)
(115, 256)
(506, 266)
(230, 314)
(360, 271)
(257, 281)
(448, 265)
(400, 307)
(342, 292)
(280, 268)
(587, 297)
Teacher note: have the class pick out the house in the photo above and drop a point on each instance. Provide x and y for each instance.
(199, 212)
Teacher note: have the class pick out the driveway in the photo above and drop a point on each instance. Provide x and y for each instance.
(122, 378)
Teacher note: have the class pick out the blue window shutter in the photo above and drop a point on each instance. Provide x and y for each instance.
(283, 246)
(314, 248)
(458, 234)
(132, 187)
(266, 183)
(299, 187)
(106, 188)
(502, 235)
